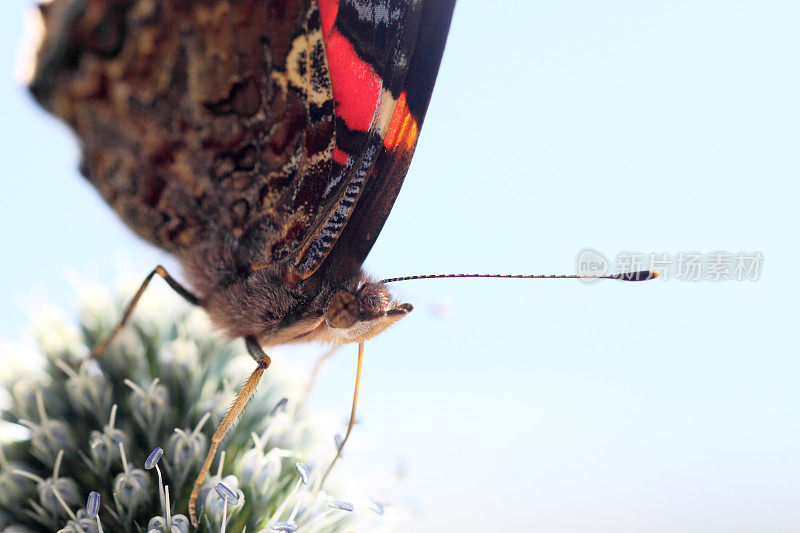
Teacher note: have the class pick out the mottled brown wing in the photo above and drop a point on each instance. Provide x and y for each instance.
(197, 119)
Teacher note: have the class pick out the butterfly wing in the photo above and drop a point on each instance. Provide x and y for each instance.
(281, 128)
(383, 58)
(399, 142)
(197, 119)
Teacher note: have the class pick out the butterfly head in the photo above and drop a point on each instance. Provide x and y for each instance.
(355, 316)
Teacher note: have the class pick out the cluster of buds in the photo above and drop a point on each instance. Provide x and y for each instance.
(114, 443)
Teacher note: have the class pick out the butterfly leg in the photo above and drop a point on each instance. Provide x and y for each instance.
(263, 362)
(352, 415)
(177, 287)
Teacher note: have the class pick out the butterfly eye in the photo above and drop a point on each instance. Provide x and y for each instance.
(342, 310)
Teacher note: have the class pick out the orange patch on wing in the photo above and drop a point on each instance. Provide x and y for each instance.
(403, 129)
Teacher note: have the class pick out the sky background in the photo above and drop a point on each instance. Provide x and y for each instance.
(543, 405)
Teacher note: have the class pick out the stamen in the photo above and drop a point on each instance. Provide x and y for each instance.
(134, 386)
(200, 424)
(225, 492)
(296, 509)
(279, 511)
(152, 462)
(302, 469)
(93, 509)
(281, 403)
(93, 504)
(227, 495)
(56, 468)
(289, 527)
(40, 407)
(167, 507)
(124, 459)
(343, 505)
(221, 463)
(66, 368)
(113, 417)
(23, 473)
(152, 459)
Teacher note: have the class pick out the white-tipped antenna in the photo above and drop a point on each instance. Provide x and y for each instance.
(641, 275)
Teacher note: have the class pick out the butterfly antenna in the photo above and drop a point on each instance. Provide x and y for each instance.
(641, 275)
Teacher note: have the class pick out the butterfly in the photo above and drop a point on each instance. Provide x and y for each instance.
(261, 142)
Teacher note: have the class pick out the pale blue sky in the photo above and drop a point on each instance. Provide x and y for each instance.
(546, 405)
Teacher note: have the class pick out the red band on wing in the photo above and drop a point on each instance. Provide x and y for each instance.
(355, 83)
(356, 86)
(403, 129)
(327, 12)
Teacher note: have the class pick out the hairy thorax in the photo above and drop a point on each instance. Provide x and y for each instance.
(243, 301)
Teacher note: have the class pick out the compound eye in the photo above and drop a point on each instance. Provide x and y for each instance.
(342, 310)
